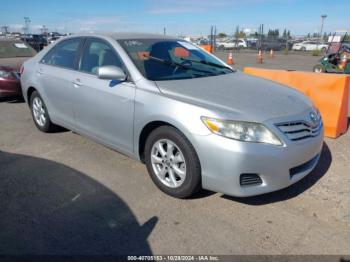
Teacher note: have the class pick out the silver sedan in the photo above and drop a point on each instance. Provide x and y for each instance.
(193, 120)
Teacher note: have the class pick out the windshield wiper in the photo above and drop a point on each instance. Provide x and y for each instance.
(207, 63)
(175, 64)
(167, 62)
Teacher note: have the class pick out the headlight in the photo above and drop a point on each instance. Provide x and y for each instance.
(5, 74)
(242, 131)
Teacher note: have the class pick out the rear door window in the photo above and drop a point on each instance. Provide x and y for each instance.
(64, 54)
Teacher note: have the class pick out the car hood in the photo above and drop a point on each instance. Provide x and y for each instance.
(247, 97)
(13, 64)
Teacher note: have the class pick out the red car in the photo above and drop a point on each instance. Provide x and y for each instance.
(12, 55)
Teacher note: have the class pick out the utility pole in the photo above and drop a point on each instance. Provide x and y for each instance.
(44, 30)
(214, 45)
(261, 34)
(323, 17)
(164, 30)
(5, 29)
(26, 27)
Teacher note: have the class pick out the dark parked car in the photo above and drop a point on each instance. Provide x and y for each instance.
(38, 42)
(275, 45)
(12, 55)
(267, 44)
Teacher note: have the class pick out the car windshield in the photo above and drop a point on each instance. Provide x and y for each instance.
(9, 49)
(164, 59)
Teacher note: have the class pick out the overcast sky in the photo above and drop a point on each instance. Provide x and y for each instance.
(179, 16)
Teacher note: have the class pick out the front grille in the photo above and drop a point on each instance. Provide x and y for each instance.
(299, 130)
(299, 169)
(250, 180)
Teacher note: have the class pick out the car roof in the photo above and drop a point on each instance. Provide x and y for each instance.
(123, 35)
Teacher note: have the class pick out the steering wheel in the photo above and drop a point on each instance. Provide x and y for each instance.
(184, 63)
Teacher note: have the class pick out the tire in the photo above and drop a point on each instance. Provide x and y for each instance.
(303, 49)
(38, 108)
(319, 69)
(182, 149)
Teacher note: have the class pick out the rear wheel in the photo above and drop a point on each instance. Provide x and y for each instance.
(172, 162)
(39, 113)
(303, 49)
(319, 69)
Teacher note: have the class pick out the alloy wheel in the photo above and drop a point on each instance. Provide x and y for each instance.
(39, 111)
(168, 163)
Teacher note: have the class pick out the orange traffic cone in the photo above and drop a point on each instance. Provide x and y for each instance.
(260, 58)
(230, 59)
(343, 61)
(271, 53)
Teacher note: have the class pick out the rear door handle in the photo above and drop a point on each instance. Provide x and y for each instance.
(77, 83)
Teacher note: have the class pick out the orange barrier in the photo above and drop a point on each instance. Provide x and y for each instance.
(329, 93)
(208, 48)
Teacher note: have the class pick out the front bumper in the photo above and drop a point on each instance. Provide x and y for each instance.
(10, 88)
(223, 161)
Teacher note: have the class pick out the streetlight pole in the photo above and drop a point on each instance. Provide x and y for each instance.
(323, 17)
(26, 27)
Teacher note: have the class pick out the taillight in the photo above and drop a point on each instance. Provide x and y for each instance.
(21, 70)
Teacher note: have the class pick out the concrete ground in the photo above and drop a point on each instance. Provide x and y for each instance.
(64, 194)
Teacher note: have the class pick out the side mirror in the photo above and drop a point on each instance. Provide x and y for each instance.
(111, 73)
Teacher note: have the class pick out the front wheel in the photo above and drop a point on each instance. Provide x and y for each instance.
(319, 69)
(172, 162)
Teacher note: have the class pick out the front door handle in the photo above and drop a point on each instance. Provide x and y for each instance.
(39, 72)
(77, 83)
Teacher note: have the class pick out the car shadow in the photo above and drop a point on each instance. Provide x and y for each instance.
(47, 208)
(203, 193)
(293, 190)
(12, 100)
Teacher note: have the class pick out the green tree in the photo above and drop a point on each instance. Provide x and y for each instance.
(325, 37)
(275, 33)
(285, 34)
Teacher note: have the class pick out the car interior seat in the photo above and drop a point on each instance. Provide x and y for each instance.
(156, 69)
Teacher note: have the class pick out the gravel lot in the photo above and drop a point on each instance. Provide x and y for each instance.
(64, 194)
(293, 61)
